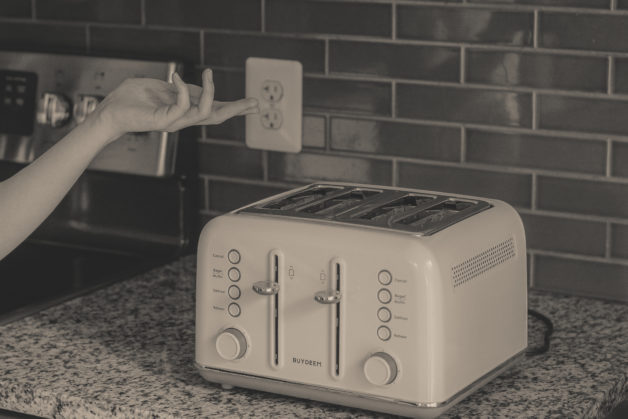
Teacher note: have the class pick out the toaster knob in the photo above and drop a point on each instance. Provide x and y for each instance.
(380, 369)
(231, 344)
(266, 288)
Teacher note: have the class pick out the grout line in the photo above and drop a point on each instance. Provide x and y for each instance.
(463, 144)
(609, 158)
(613, 5)
(202, 46)
(579, 256)
(534, 192)
(531, 273)
(143, 12)
(535, 111)
(395, 173)
(203, 132)
(535, 30)
(88, 38)
(463, 64)
(326, 68)
(33, 9)
(573, 216)
(248, 181)
(609, 240)
(394, 20)
(327, 132)
(265, 165)
(393, 99)
(263, 16)
(611, 75)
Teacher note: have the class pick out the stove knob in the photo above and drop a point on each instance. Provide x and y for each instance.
(85, 105)
(380, 369)
(231, 344)
(53, 110)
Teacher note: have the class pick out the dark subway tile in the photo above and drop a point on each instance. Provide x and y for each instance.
(591, 32)
(621, 75)
(457, 104)
(314, 131)
(537, 70)
(589, 4)
(579, 277)
(15, 8)
(405, 61)
(465, 25)
(333, 17)
(230, 161)
(622, 4)
(145, 43)
(395, 139)
(227, 196)
(202, 194)
(565, 235)
(362, 97)
(620, 159)
(512, 188)
(305, 167)
(539, 152)
(229, 85)
(230, 50)
(583, 114)
(219, 14)
(582, 196)
(619, 240)
(111, 11)
(231, 129)
(43, 37)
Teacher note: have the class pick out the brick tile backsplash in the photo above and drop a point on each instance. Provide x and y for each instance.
(443, 103)
(583, 196)
(403, 61)
(465, 96)
(545, 71)
(15, 8)
(216, 14)
(565, 235)
(536, 151)
(465, 25)
(232, 50)
(512, 188)
(110, 11)
(395, 139)
(329, 17)
(593, 32)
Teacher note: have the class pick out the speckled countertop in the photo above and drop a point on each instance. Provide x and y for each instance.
(127, 351)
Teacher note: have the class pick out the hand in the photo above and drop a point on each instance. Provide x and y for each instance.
(145, 104)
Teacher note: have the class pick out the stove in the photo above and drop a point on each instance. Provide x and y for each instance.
(134, 207)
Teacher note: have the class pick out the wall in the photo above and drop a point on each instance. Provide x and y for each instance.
(515, 99)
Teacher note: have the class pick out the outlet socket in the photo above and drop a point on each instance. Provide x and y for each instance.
(278, 86)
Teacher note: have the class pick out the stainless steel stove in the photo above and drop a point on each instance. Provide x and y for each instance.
(134, 207)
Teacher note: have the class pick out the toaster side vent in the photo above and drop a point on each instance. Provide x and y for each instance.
(482, 262)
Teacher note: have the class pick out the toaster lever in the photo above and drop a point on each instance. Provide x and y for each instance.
(266, 287)
(328, 297)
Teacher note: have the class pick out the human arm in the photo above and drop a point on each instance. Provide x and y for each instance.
(137, 105)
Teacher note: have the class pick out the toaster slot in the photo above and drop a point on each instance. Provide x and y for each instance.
(396, 208)
(301, 198)
(276, 304)
(337, 319)
(340, 203)
(438, 216)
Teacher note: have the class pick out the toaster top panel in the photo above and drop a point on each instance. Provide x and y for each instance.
(417, 212)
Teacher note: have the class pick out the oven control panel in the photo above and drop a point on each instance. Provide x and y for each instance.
(44, 96)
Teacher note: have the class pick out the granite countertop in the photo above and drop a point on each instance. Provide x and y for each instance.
(128, 350)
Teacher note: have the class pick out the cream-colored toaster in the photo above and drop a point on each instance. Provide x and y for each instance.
(394, 300)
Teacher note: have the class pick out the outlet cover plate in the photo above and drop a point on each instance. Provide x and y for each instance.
(278, 86)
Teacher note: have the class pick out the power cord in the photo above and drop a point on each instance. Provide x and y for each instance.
(549, 329)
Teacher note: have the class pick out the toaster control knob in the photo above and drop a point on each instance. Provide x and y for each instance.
(54, 110)
(231, 344)
(380, 369)
(266, 287)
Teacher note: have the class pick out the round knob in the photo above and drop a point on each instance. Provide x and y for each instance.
(380, 369)
(231, 344)
(54, 110)
(85, 105)
(266, 287)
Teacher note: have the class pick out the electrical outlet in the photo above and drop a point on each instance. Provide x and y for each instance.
(278, 87)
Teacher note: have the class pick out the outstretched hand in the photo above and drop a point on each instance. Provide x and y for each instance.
(143, 104)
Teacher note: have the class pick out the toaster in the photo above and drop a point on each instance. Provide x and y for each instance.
(394, 300)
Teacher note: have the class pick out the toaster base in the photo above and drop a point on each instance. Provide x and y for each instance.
(348, 398)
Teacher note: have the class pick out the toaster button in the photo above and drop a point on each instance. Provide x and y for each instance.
(234, 292)
(383, 333)
(234, 310)
(384, 315)
(384, 277)
(234, 274)
(234, 256)
(384, 296)
(380, 369)
(231, 344)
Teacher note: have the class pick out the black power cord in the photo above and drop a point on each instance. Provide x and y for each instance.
(549, 329)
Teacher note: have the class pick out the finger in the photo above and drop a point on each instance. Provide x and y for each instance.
(230, 109)
(207, 96)
(183, 99)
